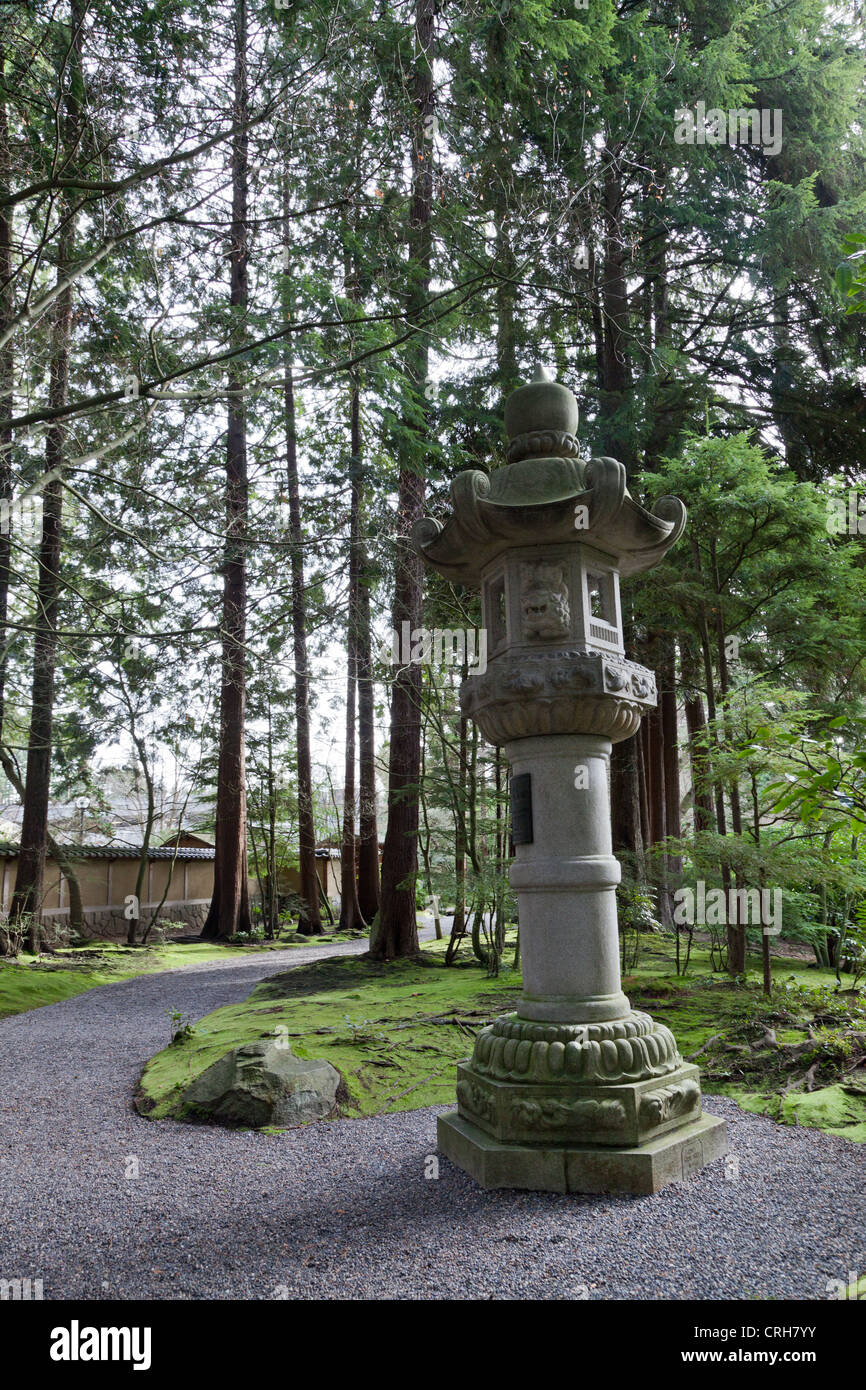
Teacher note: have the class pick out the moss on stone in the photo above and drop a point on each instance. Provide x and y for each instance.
(395, 1032)
(832, 1108)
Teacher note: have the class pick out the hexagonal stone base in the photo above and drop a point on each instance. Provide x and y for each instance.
(618, 1116)
(672, 1157)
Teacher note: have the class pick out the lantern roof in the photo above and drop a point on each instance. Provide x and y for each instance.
(545, 494)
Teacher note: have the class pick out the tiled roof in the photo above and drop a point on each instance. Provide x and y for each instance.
(8, 850)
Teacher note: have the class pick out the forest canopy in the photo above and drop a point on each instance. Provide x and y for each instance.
(268, 273)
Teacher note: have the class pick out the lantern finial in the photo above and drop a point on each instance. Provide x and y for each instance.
(541, 420)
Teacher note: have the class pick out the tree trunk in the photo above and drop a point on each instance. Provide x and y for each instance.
(397, 933)
(696, 729)
(458, 924)
(655, 776)
(736, 930)
(7, 363)
(643, 799)
(670, 766)
(271, 905)
(625, 803)
(27, 897)
(736, 936)
(499, 867)
(616, 438)
(425, 839)
(628, 820)
(660, 744)
(143, 862)
(368, 853)
(76, 907)
(311, 921)
(351, 917)
(611, 329)
(766, 962)
(229, 911)
(657, 805)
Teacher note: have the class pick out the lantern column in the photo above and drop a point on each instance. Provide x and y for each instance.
(565, 879)
(575, 1091)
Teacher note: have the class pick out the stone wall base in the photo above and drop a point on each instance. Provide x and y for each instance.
(111, 925)
(640, 1170)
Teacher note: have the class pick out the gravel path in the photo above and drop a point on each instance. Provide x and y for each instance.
(345, 1209)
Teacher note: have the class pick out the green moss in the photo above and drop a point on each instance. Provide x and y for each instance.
(837, 1109)
(30, 982)
(21, 990)
(396, 1032)
(396, 1039)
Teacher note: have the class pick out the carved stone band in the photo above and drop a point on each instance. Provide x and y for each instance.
(529, 1112)
(561, 692)
(543, 444)
(626, 1049)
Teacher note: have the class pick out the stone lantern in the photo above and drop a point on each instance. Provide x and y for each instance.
(575, 1091)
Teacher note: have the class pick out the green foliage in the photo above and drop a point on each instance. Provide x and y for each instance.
(636, 915)
(851, 273)
(554, 132)
(798, 1056)
(181, 1026)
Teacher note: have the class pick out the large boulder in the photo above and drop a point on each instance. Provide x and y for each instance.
(263, 1084)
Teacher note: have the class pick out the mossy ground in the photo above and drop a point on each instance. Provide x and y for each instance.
(31, 981)
(396, 1032)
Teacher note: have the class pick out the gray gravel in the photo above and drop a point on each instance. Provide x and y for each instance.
(344, 1209)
